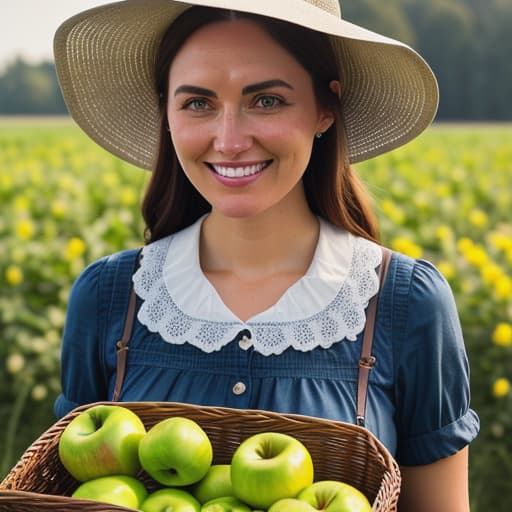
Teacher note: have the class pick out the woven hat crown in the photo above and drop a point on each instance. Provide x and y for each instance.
(330, 6)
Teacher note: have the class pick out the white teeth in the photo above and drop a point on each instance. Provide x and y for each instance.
(238, 172)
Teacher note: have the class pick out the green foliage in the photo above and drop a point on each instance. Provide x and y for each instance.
(33, 89)
(466, 42)
(65, 202)
(447, 197)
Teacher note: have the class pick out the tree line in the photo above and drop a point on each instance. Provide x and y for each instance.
(466, 42)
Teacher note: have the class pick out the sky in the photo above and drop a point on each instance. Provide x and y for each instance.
(27, 26)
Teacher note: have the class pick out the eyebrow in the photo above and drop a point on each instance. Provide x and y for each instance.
(267, 84)
(192, 89)
(248, 89)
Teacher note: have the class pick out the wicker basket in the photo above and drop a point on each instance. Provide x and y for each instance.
(340, 451)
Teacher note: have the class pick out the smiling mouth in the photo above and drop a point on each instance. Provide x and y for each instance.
(233, 171)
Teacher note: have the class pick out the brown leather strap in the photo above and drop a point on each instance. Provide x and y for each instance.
(367, 360)
(122, 344)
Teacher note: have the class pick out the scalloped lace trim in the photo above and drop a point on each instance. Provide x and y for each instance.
(343, 318)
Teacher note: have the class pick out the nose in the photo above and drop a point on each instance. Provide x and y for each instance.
(231, 134)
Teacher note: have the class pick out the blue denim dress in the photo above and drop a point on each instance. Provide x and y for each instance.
(418, 400)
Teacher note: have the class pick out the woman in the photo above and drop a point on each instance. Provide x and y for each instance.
(262, 253)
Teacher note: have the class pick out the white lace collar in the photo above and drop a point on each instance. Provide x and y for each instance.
(325, 306)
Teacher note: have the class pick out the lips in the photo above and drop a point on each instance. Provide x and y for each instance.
(238, 170)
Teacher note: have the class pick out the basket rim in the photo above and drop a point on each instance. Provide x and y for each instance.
(391, 470)
(55, 500)
(247, 412)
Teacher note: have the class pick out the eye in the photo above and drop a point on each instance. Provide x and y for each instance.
(196, 104)
(268, 101)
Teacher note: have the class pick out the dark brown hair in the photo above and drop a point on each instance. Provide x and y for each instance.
(333, 189)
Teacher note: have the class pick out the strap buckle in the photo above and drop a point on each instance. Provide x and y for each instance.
(122, 346)
(367, 362)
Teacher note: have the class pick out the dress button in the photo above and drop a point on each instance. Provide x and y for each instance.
(245, 343)
(239, 388)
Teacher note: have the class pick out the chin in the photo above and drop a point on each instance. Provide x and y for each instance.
(238, 211)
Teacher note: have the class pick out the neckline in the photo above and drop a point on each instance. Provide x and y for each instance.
(195, 295)
(343, 318)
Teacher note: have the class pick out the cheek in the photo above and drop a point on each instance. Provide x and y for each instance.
(189, 142)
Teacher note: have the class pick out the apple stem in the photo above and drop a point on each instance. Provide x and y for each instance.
(265, 452)
(97, 420)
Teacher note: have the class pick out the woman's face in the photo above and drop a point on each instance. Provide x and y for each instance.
(242, 117)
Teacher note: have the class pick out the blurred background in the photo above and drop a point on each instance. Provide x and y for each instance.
(446, 197)
(467, 43)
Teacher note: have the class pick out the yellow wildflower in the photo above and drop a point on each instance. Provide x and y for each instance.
(503, 288)
(56, 316)
(15, 363)
(52, 337)
(127, 196)
(39, 392)
(443, 190)
(6, 182)
(500, 241)
(447, 269)
(465, 244)
(393, 212)
(74, 249)
(502, 335)
(501, 387)
(476, 256)
(444, 232)
(421, 201)
(14, 275)
(407, 247)
(24, 229)
(58, 208)
(110, 180)
(21, 204)
(478, 218)
(491, 273)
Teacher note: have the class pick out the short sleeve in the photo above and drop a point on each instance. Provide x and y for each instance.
(434, 419)
(82, 375)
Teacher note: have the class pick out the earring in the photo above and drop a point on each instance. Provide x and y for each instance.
(319, 135)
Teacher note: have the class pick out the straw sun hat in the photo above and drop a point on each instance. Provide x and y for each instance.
(104, 58)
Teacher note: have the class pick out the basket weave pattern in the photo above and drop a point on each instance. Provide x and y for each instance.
(340, 451)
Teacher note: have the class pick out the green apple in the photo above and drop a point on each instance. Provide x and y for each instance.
(176, 452)
(170, 500)
(291, 505)
(215, 484)
(102, 441)
(122, 490)
(335, 496)
(225, 504)
(268, 467)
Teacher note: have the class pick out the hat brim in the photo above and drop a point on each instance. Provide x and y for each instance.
(104, 60)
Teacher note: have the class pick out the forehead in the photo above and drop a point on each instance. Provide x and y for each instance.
(232, 44)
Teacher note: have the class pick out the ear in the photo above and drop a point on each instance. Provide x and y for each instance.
(335, 86)
(327, 118)
(325, 121)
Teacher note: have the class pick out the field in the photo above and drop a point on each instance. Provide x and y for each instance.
(64, 202)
